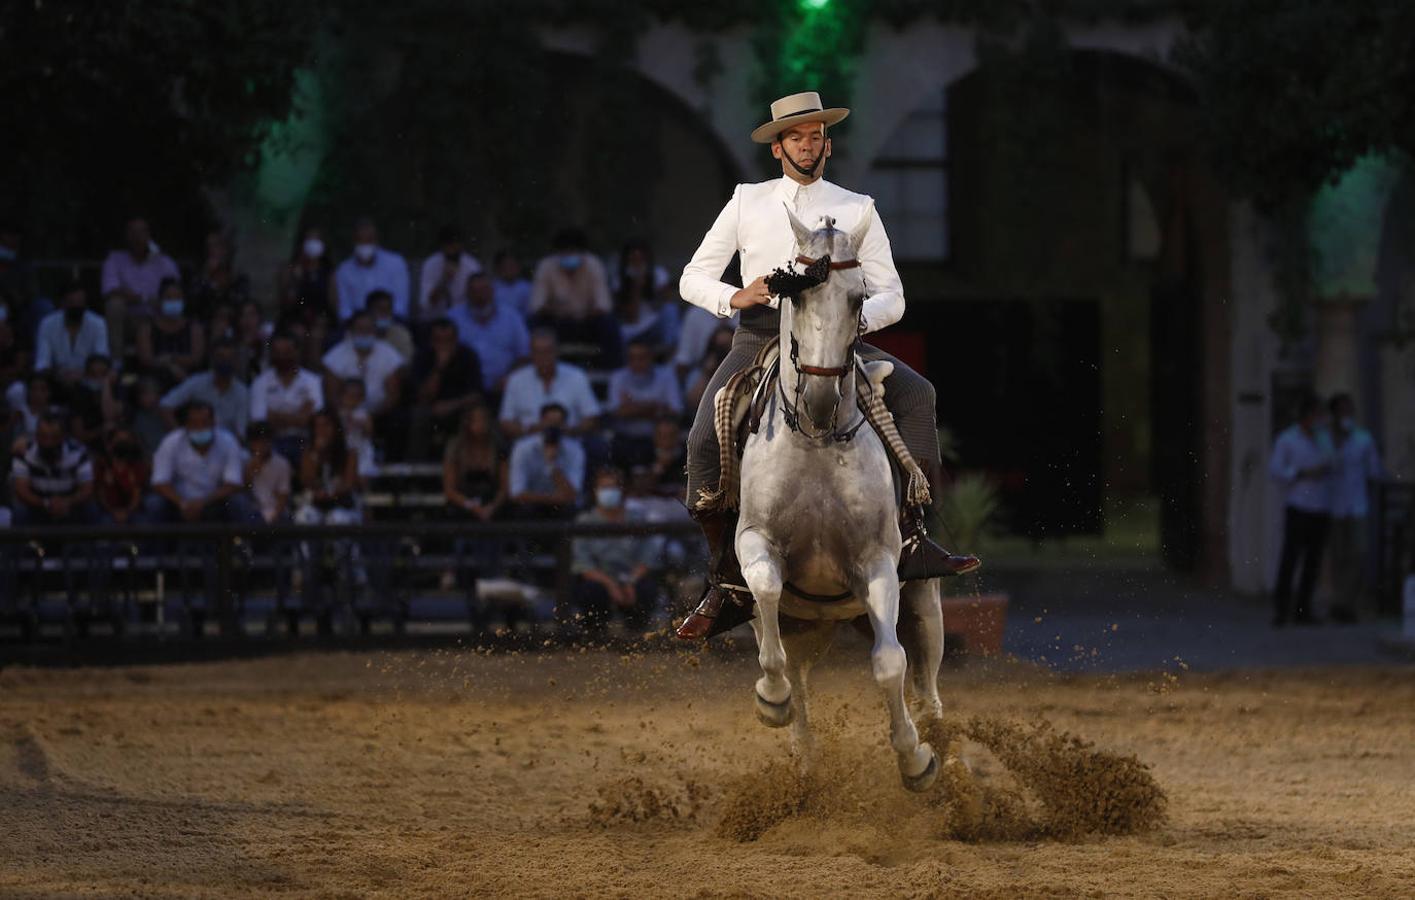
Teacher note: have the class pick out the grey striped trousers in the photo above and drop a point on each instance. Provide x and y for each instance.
(908, 395)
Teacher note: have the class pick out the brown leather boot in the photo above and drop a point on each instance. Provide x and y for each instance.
(722, 606)
(922, 558)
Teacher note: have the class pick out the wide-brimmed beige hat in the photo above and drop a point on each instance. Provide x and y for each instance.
(788, 111)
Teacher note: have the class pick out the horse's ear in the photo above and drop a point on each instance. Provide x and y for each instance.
(803, 234)
(867, 218)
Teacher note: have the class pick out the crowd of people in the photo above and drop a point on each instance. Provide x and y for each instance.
(189, 396)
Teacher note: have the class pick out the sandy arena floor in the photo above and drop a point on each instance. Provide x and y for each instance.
(609, 774)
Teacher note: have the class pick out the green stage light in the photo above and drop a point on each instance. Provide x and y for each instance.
(814, 4)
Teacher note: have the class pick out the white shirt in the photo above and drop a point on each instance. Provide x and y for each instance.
(431, 276)
(1294, 451)
(196, 475)
(373, 368)
(270, 484)
(354, 282)
(754, 223)
(655, 386)
(269, 394)
(526, 394)
(1357, 462)
(54, 349)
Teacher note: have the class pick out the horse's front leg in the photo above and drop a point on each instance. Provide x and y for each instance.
(761, 568)
(918, 765)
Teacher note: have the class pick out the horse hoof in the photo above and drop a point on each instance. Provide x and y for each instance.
(774, 715)
(925, 779)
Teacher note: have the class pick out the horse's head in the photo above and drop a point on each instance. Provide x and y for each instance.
(821, 320)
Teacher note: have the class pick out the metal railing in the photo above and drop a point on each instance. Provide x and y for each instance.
(98, 566)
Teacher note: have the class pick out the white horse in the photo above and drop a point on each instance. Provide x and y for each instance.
(818, 534)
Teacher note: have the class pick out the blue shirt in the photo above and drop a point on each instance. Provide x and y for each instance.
(499, 342)
(1356, 464)
(1294, 451)
(513, 295)
(526, 394)
(354, 282)
(531, 474)
(54, 349)
(232, 408)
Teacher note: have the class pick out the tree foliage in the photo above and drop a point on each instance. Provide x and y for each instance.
(112, 109)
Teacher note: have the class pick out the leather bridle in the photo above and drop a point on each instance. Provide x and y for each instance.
(790, 407)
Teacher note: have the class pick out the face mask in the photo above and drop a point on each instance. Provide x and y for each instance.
(314, 248)
(362, 342)
(382, 324)
(202, 437)
(570, 261)
(73, 315)
(172, 308)
(608, 496)
(223, 369)
(365, 252)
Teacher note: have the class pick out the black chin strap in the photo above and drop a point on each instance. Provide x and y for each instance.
(805, 173)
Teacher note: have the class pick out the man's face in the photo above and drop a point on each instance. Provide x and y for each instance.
(552, 418)
(452, 250)
(804, 144)
(198, 419)
(444, 340)
(640, 359)
(48, 437)
(260, 448)
(479, 292)
(382, 309)
(361, 327)
(223, 361)
(75, 300)
(544, 353)
(137, 236)
(38, 393)
(96, 370)
(283, 356)
(508, 269)
(365, 234)
(1345, 410)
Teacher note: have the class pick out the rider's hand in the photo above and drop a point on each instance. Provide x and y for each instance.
(752, 294)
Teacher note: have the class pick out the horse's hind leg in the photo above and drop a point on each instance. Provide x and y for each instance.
(918, 765)
(806, 643)
(921, 631)
(762, 571)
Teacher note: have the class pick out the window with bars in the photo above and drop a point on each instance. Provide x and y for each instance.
(909, 181)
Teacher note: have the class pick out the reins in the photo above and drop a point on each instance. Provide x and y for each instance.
(820, 270)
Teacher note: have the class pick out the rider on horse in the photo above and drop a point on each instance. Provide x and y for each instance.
(754, 224)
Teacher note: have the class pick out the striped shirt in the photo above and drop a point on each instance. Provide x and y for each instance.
(59, 478)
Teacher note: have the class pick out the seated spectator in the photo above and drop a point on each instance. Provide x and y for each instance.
(286, 396)
(570, 296)
(132, 278)
(446, 380)
(329, 476)
(121, 476)
(148, 420)
(494, 332)
(369, 269)
(171, 345)
(220, 323)
(443, 280)
(641, 305)
(93, 404)
(69, 336)
(352, 408)
(197, 474)
(547, 380)
(510, 287)
(364, 356)
(53, 480)
(698, 379)
(474, 468)
(17, 286)
(699, 329)
(38, 403)
(547, 469)
(388, 328)
(15, 355)
(217, 386)
(267, 474)
(218, 282)
(639, 395)
(666, 472)
(252, 338)
(613, 573)
(305, 286)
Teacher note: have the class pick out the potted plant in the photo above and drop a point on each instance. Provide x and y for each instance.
(971, 616)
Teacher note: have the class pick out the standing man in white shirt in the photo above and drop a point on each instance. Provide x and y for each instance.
(754, 224)
(1357, 463)
(370, 268)
(1302, 461)
(443, 281)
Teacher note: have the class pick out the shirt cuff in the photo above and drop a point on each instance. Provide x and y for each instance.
(724, 302)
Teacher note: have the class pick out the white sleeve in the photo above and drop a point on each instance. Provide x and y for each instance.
(884, 304)
(701, 283)
(162, 462)
(258, 410)
(588, 404)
